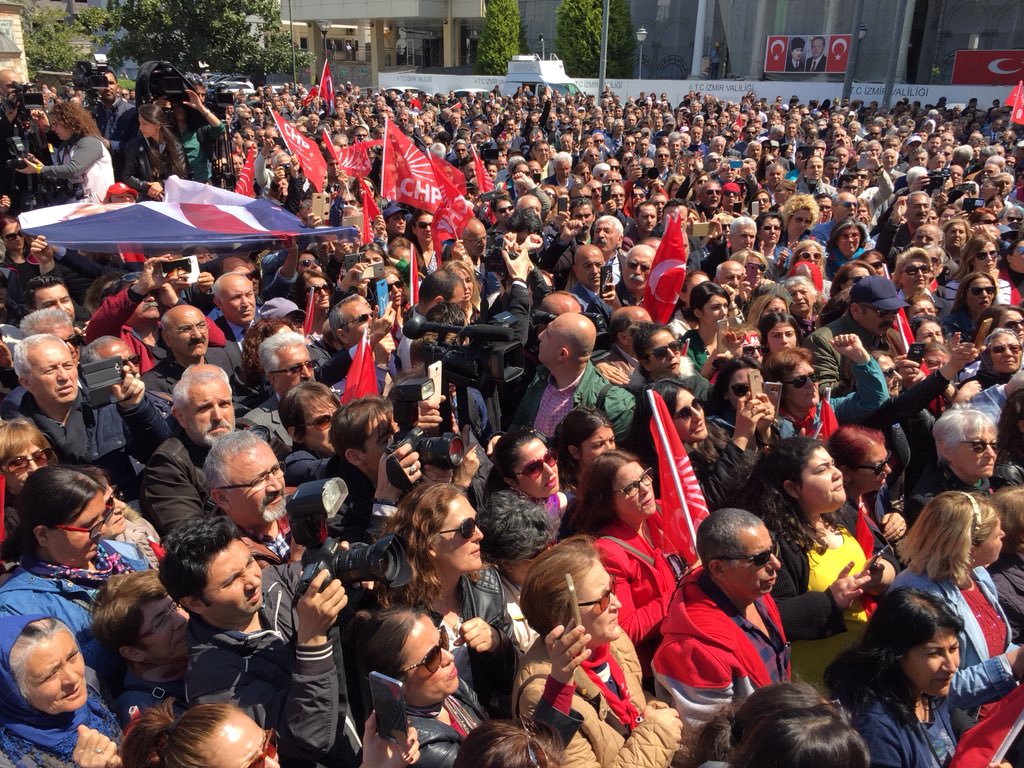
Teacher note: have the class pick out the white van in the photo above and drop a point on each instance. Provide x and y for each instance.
(534, 72)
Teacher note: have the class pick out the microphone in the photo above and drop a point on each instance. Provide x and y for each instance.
(415, 327)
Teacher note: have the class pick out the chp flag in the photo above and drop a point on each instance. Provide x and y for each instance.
(306, 152)
(407, 175)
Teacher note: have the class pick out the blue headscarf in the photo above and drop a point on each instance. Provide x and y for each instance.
(25, 730)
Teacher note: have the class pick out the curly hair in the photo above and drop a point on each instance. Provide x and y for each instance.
(800, 203)
(75, 118)
(419, 518)
(250, 367)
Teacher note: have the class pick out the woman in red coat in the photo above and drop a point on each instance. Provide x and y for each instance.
(616, 505)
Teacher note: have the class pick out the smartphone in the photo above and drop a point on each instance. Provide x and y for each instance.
(983, 329)
(352, 259)
(916, 352)
(737, 207)
(563, 204)
(970, 203)
(736, 164)
(373, 272)
(755, 209)
(494, 194)
(606, 278)
(187, 267)
(804, 151)
(321, 205)
(383, 296)
(490, 155)
(701, 228)
(574, 602)
(774, 391)
(753, 273)
(723, 326)
(606, 192)
(756, 382)
(388, 697)
(100, 377)
(652, 173)
(434, 374)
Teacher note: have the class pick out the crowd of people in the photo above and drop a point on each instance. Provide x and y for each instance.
(841, 366)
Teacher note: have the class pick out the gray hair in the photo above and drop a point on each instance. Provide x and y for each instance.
(224, 451)
(960, 423)
(616, 224)
(719, 533)
(31, 635)
(962, 155)
(271, 347)
(563, 158)
(22, 367)
(803, 280)
(515, 529)
(195, 375)
(741, 221)
(44, 321)
(93, 351)
(335, 319)
(218, 284)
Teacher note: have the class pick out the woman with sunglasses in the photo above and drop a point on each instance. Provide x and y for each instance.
(980, 254)
(846, 242)
(769, 233)
(797, 490)
(583, 435)
(51, 710)
(618, 507)
(23, 450)
(306, 411)
(61, 561)
(1000, 358)
(464, 598)
(316, 282)
(730, 387)
(521, 461)
(620, 726)
(17, 247)
(659, 352)
(947, 553)
(975, 293)
(846, 276)
(125, 531)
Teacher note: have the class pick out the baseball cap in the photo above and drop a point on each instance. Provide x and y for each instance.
(391, 209)
(120, 188)
(877, 291)
(283, 309)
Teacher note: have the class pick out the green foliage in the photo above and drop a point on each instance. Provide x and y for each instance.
(230, 36)
(578, 36)
(501, 38)
(621, 40)
(51, 43)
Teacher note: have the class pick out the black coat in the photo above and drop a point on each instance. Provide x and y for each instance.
(138, 172)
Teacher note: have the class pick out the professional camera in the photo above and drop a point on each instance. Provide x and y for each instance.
(936, 179)
(309, 509)
(160, 80)
(91, 76)
(17, 148)
(492, 356)
(218, 99)
(26, 95)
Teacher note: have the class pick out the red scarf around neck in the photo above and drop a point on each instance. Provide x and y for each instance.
(622, 705)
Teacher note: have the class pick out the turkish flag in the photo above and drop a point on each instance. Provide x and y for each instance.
(326, 90)
(306, 152)
(775, 53)
(971, 67)
(1017, 104)
(370, 210)
(681, 515)
(362, 376)
(310, 95)
(484, 182)
(838, 54)
(329, 146)
(244, 184)
(407, 175)
(667, 273)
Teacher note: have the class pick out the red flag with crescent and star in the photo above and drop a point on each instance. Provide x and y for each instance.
(1016, 103)
(838, 53)
(668, 272)
(775, 53)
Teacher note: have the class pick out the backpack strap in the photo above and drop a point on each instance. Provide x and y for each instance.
(646, 558)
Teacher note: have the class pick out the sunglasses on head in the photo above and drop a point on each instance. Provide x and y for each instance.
(878, 468)
(799, 382)
(533, 469)
(432, 661)
(660, 353)
(758, 559)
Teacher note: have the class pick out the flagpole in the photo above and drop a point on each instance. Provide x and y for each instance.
(667, 451)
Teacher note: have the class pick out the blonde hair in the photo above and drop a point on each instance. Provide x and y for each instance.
(799, 203)
(1010, 503)
(940, 542)
(18, 436)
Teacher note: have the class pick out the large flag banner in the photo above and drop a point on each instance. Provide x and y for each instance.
(245, 179)
(977, 67)
(306, 152)
(809, 54)
(407, 175)
(668, 272)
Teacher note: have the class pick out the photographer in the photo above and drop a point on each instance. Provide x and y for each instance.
(155, 156)
(255, 642)
(116, 118)
(81, 160)
(15, 122)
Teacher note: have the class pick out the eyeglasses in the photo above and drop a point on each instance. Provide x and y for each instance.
(990, 255)
(1013, 325)
(915, 269)
(321, 422)
(533, 469)
(133, 360)
(96, 528)
(890, 373)
(309, 263)
(629, 490)
(687, 412)
(504, 209)
(40, 458)
(199, 328)
(673, 347)
(465, 529)
(357, 319)
(758, 559)
(13, 235)
(980, 446)
(604, 600)
(323, 288)
(159, 622)
(432, 661)
(800, 381)
(294, 370)
(740, 390)
(267, 750)
(1002, 349)
(878, 468)
(423, 224)
(257, 482)
(751, 349)
(978, 290)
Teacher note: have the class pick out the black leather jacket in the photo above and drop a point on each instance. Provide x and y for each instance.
(138, 173)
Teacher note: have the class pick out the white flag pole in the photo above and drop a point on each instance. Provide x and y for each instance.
(667, 451)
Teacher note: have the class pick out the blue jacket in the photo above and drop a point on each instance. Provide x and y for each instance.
(979, 679)
(894, 744)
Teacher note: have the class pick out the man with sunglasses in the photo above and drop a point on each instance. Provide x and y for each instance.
(723, 635)
(286, 362)
(871, 316)
(256, 642)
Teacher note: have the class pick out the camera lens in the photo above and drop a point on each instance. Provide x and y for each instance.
(384, 560)
(445, 451)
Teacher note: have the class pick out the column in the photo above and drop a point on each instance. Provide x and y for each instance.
(901, 58)
(698, 38)
(376, 51)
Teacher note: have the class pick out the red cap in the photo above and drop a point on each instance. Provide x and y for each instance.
(731, 186)
(120, 188)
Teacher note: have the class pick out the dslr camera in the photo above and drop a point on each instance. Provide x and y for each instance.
(16, 146)
(445, 451)
(309, 509)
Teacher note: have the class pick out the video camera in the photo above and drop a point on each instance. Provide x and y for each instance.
(160, 80)
(91, 76)
(218, 99)
(445, 451)
(937, 179)
(24, 97)
(492, 356)
(309, 509)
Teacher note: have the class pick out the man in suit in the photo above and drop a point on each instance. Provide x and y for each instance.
(235, 297)
(795, 61)
(285, 360)
(817, 60)
(587, 271)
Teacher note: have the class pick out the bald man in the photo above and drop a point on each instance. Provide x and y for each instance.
(620, 363)
(185, 332)
(567, 379)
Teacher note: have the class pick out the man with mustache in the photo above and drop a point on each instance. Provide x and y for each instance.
(246, 482)
(185, 333)
(173, 483)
